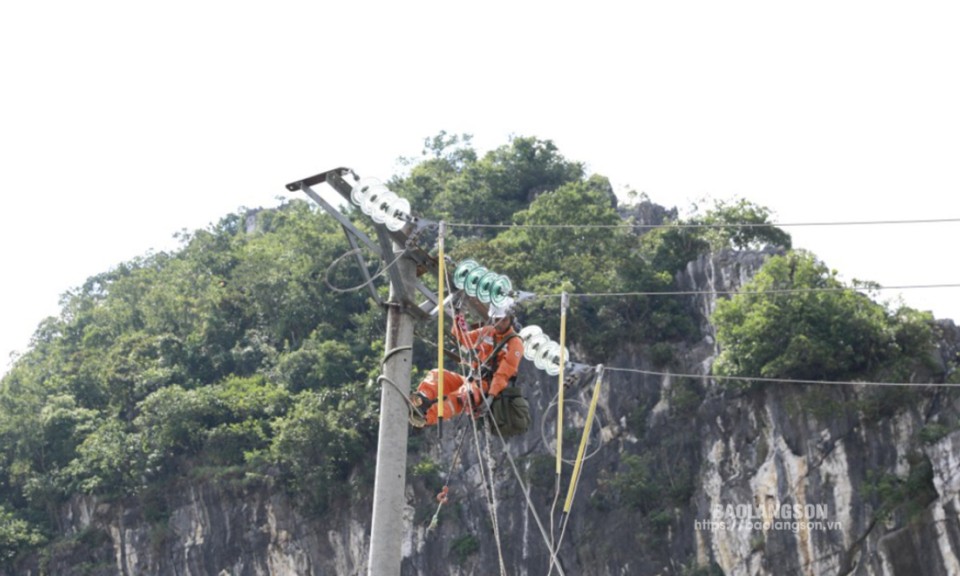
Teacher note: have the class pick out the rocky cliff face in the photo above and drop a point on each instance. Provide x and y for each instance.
(685, 476)
(215, 528)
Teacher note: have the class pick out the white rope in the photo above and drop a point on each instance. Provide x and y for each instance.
(487, 486)
(554, 561)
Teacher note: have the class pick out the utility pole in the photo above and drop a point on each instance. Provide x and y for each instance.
(386, 533)
(394, 229)
(397, 231)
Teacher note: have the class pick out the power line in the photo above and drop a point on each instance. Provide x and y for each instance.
(782, 380)
(704, 225)
(740, 292)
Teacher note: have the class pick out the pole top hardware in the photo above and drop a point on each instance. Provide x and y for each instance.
(316, 179)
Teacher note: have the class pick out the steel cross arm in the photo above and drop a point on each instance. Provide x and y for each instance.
(347, 224)
(363, 267)
(384, 248)
(431, 302)
(402, 237)
(335, 178)
(317, 179)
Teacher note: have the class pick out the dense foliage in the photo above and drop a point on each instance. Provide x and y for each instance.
(233, 355)
(795, 319)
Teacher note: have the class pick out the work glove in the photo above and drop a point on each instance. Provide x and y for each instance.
(461, 322)
(470, 395)
(485, 404)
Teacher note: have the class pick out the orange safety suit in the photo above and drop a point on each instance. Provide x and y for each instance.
(457, 391)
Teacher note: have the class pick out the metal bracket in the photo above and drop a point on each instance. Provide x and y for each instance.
(406, 238)
(317, 179)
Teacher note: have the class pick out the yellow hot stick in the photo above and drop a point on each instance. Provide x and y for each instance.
(563, 338)
(583, 441)
(440, 313)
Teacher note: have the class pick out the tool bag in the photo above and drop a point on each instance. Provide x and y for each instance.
(511, 413)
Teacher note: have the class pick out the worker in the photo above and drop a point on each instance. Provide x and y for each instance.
(494, 352)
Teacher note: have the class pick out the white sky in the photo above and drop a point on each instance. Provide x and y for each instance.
(124, 122)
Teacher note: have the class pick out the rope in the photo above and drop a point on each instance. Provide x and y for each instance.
(443, 496)
(547, 539)
(406, 397)
(393, 351)
(543, 429)
(488, 493)
(380, 272)
(494, 505)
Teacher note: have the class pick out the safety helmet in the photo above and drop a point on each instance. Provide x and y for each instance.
(502, 310)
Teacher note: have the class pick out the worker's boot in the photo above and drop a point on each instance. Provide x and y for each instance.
(419, 404)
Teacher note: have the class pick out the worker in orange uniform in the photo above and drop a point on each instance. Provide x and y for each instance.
(498, 349)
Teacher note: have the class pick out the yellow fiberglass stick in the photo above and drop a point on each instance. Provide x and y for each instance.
(563, 338)
(440, 313)
(583, 441)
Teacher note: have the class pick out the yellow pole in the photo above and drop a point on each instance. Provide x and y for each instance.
(583, 441)
(441, 273)
(563, 361)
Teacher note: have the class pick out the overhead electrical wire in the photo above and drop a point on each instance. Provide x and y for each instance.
(724, 225)
(741, 292)
(782, 380)
(491, 497)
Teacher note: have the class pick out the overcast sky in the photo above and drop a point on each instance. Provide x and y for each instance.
(122, 123)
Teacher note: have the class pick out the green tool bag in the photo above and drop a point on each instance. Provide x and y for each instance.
(511, 413)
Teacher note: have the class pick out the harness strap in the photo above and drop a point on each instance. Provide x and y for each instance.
(495, 358)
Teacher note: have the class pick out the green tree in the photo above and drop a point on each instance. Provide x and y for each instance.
(16, 536)
(742, 225)
(316, 445)
(459, 187)
(112, 461)
(795, 319)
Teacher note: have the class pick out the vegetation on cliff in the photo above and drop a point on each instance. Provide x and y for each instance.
(231, 356)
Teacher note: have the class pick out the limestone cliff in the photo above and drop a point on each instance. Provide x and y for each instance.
(693, 477)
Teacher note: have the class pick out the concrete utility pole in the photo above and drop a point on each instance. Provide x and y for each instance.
(397, 231)
(386, 533)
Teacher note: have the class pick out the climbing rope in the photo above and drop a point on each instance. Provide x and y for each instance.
(380, 272)
(466, 366)
(444, 495)
(489, 493)
(547, 540)
(486, 474)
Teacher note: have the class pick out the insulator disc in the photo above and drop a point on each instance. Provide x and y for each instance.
(542, 359)
(528, 332)
(500, 292)
(379, 212)
(398, 214)
(372, 198)
(533, 346)
(485, 285)
(460, 274)
(473, 279)
(553, 360)
(359, 191)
